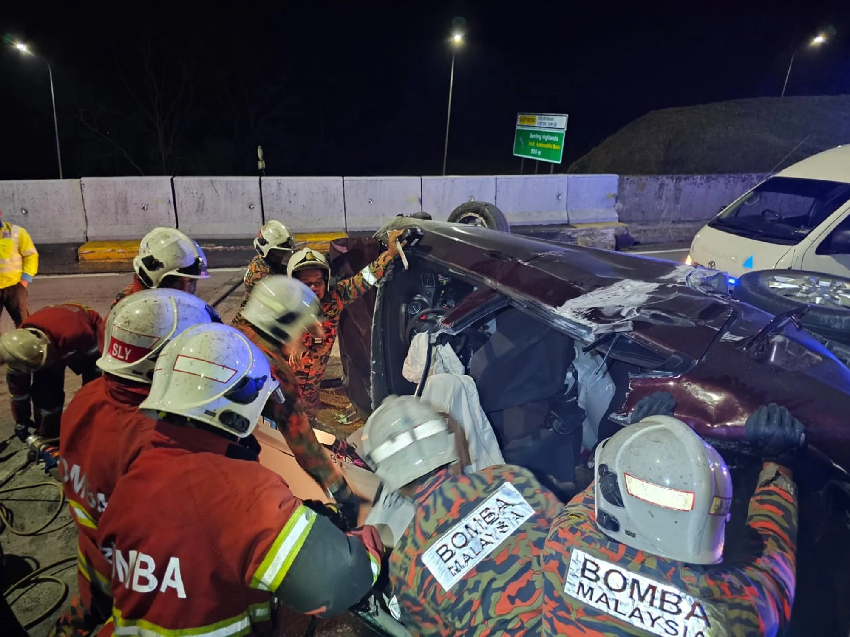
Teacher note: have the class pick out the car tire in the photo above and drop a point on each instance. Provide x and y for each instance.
(778, 291)
(481, 214)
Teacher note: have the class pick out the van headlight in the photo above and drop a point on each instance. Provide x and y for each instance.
(689, 260)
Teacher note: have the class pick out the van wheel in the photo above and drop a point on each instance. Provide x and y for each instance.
(481, 214)
(778, 291)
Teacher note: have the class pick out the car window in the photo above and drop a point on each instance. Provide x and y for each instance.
(783, 210)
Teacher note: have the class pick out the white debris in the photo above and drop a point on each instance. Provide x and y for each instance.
(679, 274)
(619, 302)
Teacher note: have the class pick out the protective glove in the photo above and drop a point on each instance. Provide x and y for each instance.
(661, 403)
(347, 502)
(775, 433)
(329, 511)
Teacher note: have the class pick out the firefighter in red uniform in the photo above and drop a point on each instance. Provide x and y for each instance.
(58, 336)
(274, 245)
(103, 431)
(203, 537)
(279, 310)
(312, 269)
(640, 551)
(167, 259)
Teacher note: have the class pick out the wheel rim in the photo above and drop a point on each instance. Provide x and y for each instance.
(472, 219)
(817, 290)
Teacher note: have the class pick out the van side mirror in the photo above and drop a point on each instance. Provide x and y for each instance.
(839, 242)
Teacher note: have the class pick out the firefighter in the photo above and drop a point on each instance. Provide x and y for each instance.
(469, 562)
(279, 310)
(274, 245)
(202, 536)
(312, 269)
(167, 259)
(37, 353)
(103, 431)
(639, 552)
(18, 266)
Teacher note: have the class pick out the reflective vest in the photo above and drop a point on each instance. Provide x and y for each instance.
(18, 256)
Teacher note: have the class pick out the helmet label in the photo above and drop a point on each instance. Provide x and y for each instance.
(659, 495)
(476, 536)
(204, 369)
(661, 609)
(126, 352)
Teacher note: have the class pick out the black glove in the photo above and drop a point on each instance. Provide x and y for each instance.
(329, 511)
(775, 433)
(661, 403)
(347, 503)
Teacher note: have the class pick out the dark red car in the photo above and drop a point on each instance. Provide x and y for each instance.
(520, 312)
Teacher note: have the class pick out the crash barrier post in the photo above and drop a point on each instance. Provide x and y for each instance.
(305, 204)
(218, 207)
(660, 208)
(50, 209)
(127, 207)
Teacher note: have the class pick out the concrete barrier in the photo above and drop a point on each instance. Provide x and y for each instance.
(441, 195)
(218, 207)
(592, 198)
(51, 210)
(532, 199)
(305, 204)
(661, 208)
(127, 207)
(372, 201)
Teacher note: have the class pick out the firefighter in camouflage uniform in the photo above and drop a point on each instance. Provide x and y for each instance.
(274, 245)
(469, 562)
(312, 269)
(273, 327)
(640, 551)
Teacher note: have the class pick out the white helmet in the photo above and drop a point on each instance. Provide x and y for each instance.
(212, 374)
(661, 489)
(282, 307)
(404, 440)
(168, 252)
(307, 259)
(274, 236)
(142, 324)
(24, 350)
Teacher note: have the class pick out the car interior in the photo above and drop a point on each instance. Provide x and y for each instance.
(526, 371)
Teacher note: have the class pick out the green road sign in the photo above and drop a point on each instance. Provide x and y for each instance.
(539, 144)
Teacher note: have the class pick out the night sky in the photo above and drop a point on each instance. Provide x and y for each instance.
(360, 88)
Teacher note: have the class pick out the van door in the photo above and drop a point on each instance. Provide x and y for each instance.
(829, 251)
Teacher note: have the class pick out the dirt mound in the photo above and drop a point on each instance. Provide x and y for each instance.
(739, 136)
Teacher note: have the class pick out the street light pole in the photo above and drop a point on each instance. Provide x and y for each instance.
(457, 40)
(449, 115)
(816, 41)
(24, 49)
(788, 74)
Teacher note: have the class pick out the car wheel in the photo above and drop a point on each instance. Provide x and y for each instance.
(778, 291)
(481, 214)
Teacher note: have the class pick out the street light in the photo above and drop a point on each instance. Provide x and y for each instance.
(24, 49)
(815, 41)
(457, 42)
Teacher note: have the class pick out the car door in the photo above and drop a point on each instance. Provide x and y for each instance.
(829, 252)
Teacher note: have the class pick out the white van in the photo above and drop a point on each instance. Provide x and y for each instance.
(799, 219)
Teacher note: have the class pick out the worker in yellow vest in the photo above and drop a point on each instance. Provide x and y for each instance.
(18, 265)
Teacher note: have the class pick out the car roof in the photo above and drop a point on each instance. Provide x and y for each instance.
(830, 165)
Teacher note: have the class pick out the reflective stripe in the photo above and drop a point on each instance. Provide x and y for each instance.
(21, 399)
(368, 276)
(376, 567)
(86, 569)
(29, 252)
(82, 516)
(392, 447)
(239, 625)
(285, 548)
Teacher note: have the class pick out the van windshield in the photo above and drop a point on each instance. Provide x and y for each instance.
(783, 210)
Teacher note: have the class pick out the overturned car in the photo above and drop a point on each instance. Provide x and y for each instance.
(563, 341)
